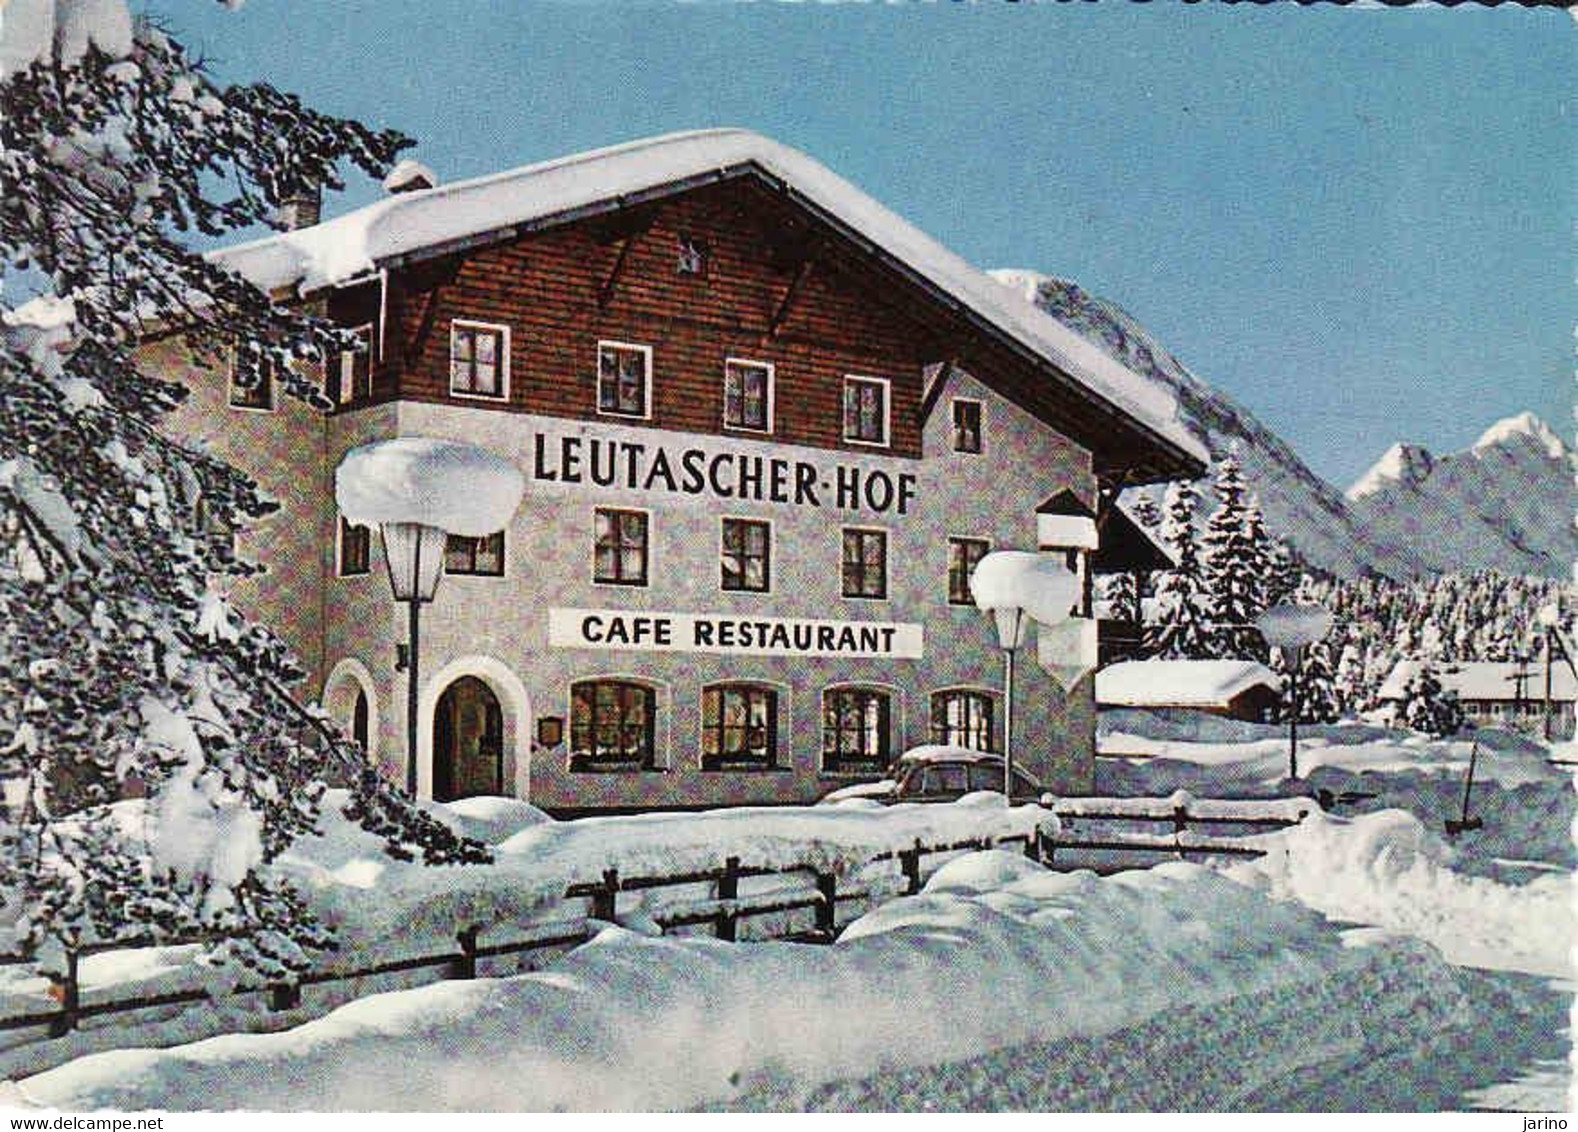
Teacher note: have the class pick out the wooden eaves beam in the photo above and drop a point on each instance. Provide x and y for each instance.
(801, 273)
(625, 229)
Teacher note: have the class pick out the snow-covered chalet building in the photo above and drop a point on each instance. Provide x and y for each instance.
(767, 427)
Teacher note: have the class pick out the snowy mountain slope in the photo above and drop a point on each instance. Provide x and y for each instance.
(1507, 503)
(1401, 464)
(1298, 504)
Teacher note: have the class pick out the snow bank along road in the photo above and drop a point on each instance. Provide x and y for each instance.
(995, 957)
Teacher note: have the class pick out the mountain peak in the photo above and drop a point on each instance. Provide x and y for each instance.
(1022, 281)
(1516, 429)
(1402, 464)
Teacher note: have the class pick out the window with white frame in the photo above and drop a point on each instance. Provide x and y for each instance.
(746, 557)
(620, 547)
(866, 410)
(251, 379)
(865, 563)
(748, 395)
(356, 368)
(961, 717)
(613, 726)
(739, 727)
(479, 360)
(624, 379)
(483, 557)
(356, 547)
(856, 730)
(967, 426)
(964, 554)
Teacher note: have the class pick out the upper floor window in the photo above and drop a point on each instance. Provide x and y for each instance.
(356, 544)
(866, 410)
(967, 426)
(356, 368)
(747, 555)
(624, 379)
(748, 395)
(856, 729)
(964, 554)
(865, 563)
(962, 718)
(612, 725)
(620, 547)
(254, 389)
(692, 255)
(483, 556)
(479, 360)
(739, 727)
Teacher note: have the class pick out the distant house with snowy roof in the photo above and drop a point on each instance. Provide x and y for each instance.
(1238, 689)
(767, 429)
(1499, 693)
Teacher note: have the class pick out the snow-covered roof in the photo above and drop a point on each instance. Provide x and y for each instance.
(1180, 683)
(1487, 680)
(945, 752)
(382, 233)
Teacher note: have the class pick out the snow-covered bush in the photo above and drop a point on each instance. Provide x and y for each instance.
(122, 669)
(1428, 707)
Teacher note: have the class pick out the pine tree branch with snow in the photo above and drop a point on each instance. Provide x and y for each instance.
(158, 758)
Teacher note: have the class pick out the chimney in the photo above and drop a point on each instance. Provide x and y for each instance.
(409, 177)
(301, 208)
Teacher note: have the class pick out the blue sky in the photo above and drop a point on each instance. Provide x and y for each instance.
(1358, 223)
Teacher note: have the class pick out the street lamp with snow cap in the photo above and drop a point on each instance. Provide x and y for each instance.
(1292, 627)
(419, 491)
(1016, 587)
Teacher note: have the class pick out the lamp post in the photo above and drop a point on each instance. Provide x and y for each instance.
(1550, 619)
(414, 557)
(1290, 628)
(418, 491)
(1016, 586)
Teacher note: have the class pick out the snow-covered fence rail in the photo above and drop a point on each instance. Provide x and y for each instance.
(821, 888)
(1181, 811)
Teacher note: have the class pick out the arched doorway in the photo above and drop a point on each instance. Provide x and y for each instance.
(359, 720)
(468, 742)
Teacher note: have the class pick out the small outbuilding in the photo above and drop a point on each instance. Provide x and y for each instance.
(1496, 693)
(1236, 689)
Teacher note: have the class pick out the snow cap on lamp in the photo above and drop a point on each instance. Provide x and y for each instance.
(1294, 625)
(458, 488)
(1008, 582)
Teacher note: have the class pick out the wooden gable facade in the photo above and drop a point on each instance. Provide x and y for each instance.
(778, 283)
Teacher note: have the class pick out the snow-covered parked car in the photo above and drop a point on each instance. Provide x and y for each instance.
(938, 772)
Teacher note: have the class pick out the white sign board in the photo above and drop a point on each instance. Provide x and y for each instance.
(740, 635)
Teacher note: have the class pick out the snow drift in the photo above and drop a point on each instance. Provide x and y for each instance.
(1385, 869)
(995, 953)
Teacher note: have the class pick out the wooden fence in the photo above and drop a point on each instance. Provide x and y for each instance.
(723, 911)
(1190, 819)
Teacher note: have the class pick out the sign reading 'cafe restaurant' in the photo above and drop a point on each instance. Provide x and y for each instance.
(624, 630)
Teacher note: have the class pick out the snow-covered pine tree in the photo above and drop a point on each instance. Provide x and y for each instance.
(1283, 577)
(122, 671)
(1233, 567)
(1349, 682)
(1317, 691)
(1427, 706)
(1145, 511)
(1121, 598)
(1180, 629)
